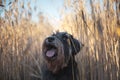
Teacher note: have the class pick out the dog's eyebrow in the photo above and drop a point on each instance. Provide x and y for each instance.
(56, 36)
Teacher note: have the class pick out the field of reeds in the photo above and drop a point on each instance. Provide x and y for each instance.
(98, 28)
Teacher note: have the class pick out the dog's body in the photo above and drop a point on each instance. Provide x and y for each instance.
(64, 74)
(59, 52)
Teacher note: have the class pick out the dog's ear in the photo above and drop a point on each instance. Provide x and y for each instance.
(76, 46)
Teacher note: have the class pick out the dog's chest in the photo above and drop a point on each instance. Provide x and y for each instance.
(57, 77)
(65, 74)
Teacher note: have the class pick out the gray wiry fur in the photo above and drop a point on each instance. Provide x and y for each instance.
(68, 71)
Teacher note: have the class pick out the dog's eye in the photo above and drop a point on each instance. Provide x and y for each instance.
(65, 37)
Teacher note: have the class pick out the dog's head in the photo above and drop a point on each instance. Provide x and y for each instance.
(58, 48)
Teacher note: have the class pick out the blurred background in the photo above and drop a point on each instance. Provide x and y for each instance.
(25, 23)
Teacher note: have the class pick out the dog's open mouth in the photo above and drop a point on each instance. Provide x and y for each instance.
(51, 51)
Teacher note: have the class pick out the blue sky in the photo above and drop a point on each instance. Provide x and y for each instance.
(50, 8)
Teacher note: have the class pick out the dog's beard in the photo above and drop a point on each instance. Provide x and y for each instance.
(55, 56)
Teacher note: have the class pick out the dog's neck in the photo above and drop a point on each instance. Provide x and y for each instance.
(71, 65)
(69, 70)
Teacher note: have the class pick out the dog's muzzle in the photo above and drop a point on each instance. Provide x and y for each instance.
(50, 48)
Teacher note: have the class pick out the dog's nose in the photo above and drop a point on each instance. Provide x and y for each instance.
(50, 39)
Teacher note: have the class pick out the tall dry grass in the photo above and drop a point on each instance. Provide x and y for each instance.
(20, 42)
(21, 39)
(98, 28)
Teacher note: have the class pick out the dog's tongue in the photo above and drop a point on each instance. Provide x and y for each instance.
(50, 53)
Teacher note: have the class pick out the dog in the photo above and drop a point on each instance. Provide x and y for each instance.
(59, 52)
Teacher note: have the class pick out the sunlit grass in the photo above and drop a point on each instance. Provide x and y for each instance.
(21, 40)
